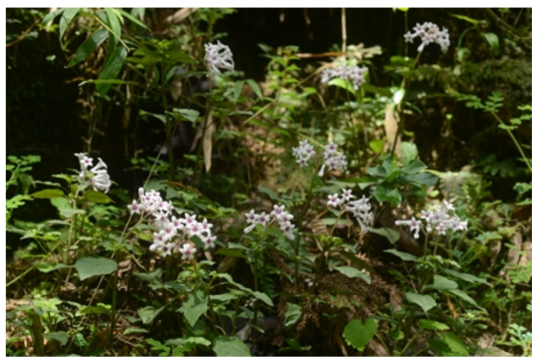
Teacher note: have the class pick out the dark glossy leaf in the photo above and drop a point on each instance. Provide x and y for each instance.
(88, 46)
(111, 69)
(66, 18)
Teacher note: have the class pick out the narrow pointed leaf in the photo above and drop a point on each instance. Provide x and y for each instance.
(88, 46)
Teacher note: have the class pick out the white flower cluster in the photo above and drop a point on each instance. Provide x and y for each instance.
(171, 231)
(278, 214)
(429, 33)
(98, 176)
(332, 160)
(303, 153)
(355, 74)
(360, 208)
(219, 56)
(439, 220)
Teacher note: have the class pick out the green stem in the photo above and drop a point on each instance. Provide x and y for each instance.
(515, 141)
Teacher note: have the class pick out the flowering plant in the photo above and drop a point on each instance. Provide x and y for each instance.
(429, 33)
(97, 176)
(218, 56)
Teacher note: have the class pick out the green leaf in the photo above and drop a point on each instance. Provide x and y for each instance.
(88, 46)
(99, 309)
(413, 167)
(97, 197)
(111, 69)
(255, 87)
(387, 192)
(263, 297)
(195, 306)
(352, 272)
(391, 234)
(467, 18)
(442, 283)
(377, 171)
(48, 193)
(402, 255)
(224, 251)
(132, 18)
(432, 325)
(493, 41)
(409, 152)
(344, 84)
(293, 314)
(94, 266)
(115, 26)
(358, 335)
(465, 276)
(148, 314)
(237, 90)
(135, 331)
(225, 346)
(51, 15)
(426, 302)
(61, 337)
(66, 18)
(376, 145)
(382, 91)
(464, 296)
(456, 345)
(49, 267)
(187, 114)
(191, 340)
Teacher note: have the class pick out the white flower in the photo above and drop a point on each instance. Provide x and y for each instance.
(209, 241)
(334, 200)
(303, 153)
(347, 194)
(219, 56)
(414, 225)
(278, 211)
(355, 74)
(134, 208)
(187, 251)
(429, 33)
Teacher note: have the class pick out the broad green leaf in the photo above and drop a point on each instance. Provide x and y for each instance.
(464, 296)
(148, 314)
(409, 152)
(432, 325)
(413, 167)
(391, 234)
(195, 306)
(132, 330)
(352, 272)
(66, 18)
(386, 192)
(456, 345)
(97, 197)
(263, 297)
(238, 90)
(493, 41)
(293, 314)
(358, 335)
(426, 302)
(49, 267)
(442, 283)
(225, 346)
(376, 145)
(99, 309)
(255, 87)
(51, 15)
(188, 114)
(377, 171)
(344, 84)
(230, 253)
(191, 340)
(93, 266)
(382, 91)
(465, 276)
(112, 69)
(48, 193)
(402, 255)
(61, 337)
(115, 27)
(88, 46)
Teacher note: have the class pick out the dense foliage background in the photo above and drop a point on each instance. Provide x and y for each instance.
(133, 87)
